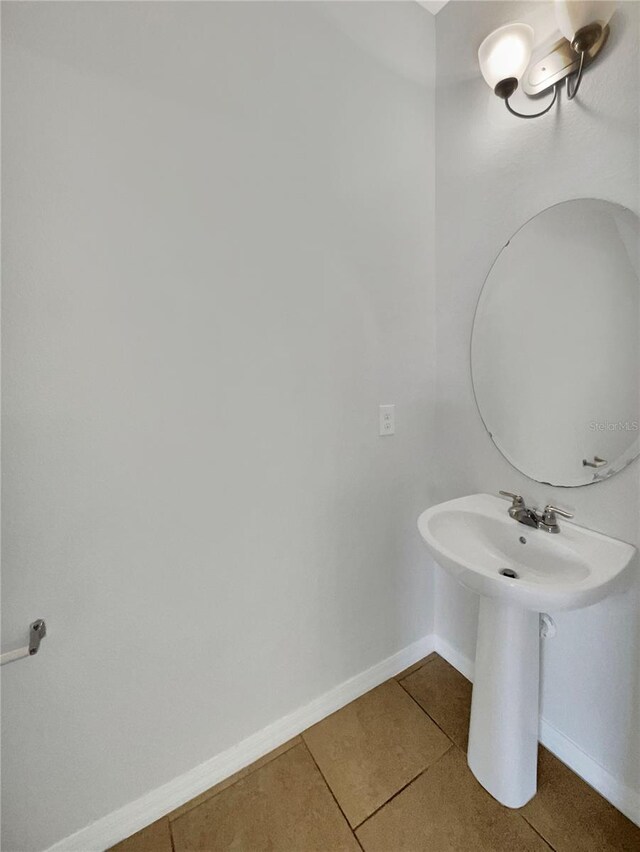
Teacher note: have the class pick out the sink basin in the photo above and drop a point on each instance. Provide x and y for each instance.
(518, 571)
(475, 539)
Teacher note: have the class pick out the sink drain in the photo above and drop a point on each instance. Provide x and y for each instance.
(509, 572)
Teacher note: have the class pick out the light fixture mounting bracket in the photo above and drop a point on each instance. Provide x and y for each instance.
(560, 62)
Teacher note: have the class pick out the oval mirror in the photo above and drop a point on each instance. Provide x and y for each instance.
(555, 344)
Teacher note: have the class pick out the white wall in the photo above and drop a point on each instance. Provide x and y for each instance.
(218, 261)
(493, 173)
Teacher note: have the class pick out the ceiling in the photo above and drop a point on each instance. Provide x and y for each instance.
(433, 6)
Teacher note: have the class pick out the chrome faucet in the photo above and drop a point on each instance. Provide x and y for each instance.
(549, 522)
(519, 512)
(546, 520)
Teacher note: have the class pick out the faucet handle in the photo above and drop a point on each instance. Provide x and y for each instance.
(548, 516)
(517, 499)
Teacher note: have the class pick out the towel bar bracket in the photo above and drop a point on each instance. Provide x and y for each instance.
(37, 632)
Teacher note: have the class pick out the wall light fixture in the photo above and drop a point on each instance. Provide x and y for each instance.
(505, 54)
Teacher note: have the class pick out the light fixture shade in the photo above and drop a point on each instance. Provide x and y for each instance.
(573, 15)
(505, 53)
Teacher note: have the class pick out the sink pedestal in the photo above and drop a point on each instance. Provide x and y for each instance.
(503, 735)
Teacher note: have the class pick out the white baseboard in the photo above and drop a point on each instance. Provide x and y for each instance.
(463, 664)
(624, 798)
(137, 814)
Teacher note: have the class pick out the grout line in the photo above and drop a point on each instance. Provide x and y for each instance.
(247, 772)
(173, 843)
(440, 728)
(533, 828)
(464, 753)
(402, 789)
(432, 658)
(355, 837)
(315, 763)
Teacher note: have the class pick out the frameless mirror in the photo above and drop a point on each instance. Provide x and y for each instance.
(555, 344)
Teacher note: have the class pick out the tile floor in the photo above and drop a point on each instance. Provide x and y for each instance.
(388, 773)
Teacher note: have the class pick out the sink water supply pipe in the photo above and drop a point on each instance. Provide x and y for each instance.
(548, 627)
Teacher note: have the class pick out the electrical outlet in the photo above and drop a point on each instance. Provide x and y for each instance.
(387, 415)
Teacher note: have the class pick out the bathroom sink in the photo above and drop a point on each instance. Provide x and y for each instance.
(519, 571)
(475, 540)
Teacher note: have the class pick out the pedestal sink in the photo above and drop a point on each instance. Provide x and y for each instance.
(519, 572)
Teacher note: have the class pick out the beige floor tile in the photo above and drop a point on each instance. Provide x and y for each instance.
(446, 810)
(154, 838)
(445, 695)
(415, 666)
(285, 806)
(571, 816)
(242, 773)
(373, 747)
